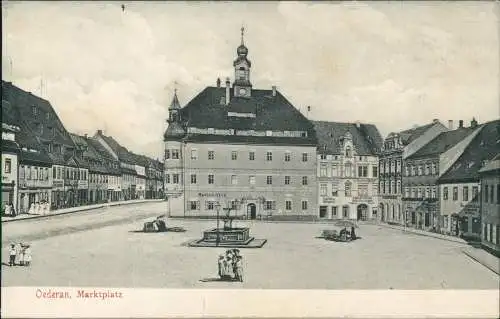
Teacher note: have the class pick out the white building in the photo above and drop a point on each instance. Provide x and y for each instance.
(347, 170)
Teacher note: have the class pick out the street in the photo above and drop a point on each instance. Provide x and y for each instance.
(101, 249)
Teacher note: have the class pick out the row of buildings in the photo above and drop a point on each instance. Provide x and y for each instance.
(46, 167)
(250, 151)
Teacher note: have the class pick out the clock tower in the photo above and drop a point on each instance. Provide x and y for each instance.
(242, 86)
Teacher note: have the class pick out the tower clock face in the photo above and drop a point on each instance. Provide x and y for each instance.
(243, 91)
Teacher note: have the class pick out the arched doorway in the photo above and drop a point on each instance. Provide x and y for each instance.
(362, 212)
(252, 211)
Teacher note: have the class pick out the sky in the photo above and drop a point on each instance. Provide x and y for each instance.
(392, 64)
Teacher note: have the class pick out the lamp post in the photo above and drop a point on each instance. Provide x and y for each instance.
(217, 206)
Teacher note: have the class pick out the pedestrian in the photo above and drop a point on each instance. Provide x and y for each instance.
(27, 255)
(221, 266)
(239, 269)
(229, 269)
(22, 250)
(12, 255)
(8, 210)
(353, 234)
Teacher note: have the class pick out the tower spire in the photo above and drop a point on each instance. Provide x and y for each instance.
(242, 35)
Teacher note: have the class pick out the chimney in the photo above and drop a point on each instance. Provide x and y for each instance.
(218, 82)
(450, 124)
(227, 91)
(99, 132)
(358, 125)
(461, 124)
(274, 90)
(435, 121)
(86, 136)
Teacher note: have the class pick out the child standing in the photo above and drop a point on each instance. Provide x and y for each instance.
(27, 255)
(12, 255)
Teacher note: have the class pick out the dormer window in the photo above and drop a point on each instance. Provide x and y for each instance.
(348, 152)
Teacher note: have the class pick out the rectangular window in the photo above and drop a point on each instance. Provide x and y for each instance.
(465, 194)
(407, 192)
(304, 157)
(269, 156)
(334, 210)
(322, 156)
(54, 172)
(194, 205)
(210, 179)
(322, 211)
(211, 155)
(210, 205)
(486, 189)
(475, 190)
(167, 178)
(269, 205)
(167, 154)
(304, 180)
(175, 178)
(455, 193)
(433, 192)
(304, 205)
(375, 171)
(8, 166)
(234, 180)
(251, 180)
(251, 156)
(269, 180)
(322, 171)
(445, 193)
(234, 155)
(193, 178)
(334, 171)
(194, 154)
(287, 180)
(345, 211)
(288, 156)
(288, 205)
(323, 189)
(175, 154)
(35, 173)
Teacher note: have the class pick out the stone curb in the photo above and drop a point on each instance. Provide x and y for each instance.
(428, 234)
(482, 262)
(83, 208)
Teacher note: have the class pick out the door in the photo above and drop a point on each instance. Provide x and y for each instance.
(252, 211)
(362, 212)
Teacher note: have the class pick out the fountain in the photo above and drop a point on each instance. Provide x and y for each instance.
(228, 236)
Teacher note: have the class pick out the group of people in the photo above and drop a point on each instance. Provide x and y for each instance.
(39, 208)
(20, 255)
(231, 266)
(9, 210)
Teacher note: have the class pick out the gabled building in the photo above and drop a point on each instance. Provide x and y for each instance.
(421, 173)
(490, 204)
(21, 109)
(239, 147)
(460, 184)
(347, 172)
(10, 159)
(396, 148)
(105, 176)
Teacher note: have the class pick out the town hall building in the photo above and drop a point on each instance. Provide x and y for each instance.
(237, 147)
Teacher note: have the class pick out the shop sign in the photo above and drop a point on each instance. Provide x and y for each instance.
(57, 184)
(328, 200)
(212, 195)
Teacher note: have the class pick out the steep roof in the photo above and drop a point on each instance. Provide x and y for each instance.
(207, 110)
(39, 120)
(484, 147)
(408, 136)
(492, 166)
(366, 139)
(442, 143)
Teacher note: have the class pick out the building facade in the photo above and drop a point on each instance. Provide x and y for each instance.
(490, 205)
(422, 171)
(240, 148)
(391, 167)
(347, 170)
(460, 184)
(10, 158)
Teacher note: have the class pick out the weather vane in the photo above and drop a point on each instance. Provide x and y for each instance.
(242, 33)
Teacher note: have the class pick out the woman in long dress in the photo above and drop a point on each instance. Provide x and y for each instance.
(220, 264)
(239, 268)
(27, 255)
